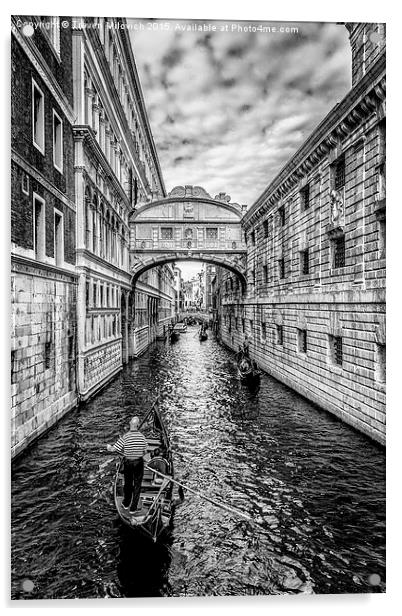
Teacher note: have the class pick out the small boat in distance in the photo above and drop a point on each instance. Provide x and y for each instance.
(158, 496)
(248, 372)
(181, 327)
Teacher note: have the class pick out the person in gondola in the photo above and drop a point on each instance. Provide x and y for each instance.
(133, 447)
(158, 463)
(246, 347)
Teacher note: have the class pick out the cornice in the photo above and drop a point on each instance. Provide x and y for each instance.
(357, 106)
(86, 134)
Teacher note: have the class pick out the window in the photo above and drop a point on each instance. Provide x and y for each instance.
(304, 261)
(339, 252)
(57, 142)
(39, 227)
(381, 238)
(263, 331)
(48, 352)
(302, 340)
(265, 227)
(279, 334)
(253, 276)
(25, 183)
(54, 33)
(265, 273)
(87, 293)
(101, 296)
(14, 367)
(252, 235)
(281, 268)
(58, 238)
(243, 325)
(281, 215)
(38, 117)
(211, 233)
(339, 173)
(380, 371)
(251, 325)
(305, 197)
(166, 233)
(336, 350)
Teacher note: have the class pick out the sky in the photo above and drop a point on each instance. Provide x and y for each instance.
(228, 109)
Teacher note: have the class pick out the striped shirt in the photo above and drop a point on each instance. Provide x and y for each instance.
(131, 445)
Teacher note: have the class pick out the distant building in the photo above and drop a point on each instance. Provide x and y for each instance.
(315, 304)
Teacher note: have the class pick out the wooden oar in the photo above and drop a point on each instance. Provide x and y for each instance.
(207, 498)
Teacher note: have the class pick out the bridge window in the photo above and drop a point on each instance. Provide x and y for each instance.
(166, 233)
(211, 233)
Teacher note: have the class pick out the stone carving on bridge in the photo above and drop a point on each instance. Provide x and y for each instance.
(189, 191)
(188, 210)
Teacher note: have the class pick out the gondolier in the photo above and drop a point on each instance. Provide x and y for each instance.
(133, 446)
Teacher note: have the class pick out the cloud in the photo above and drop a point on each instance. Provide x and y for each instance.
(227, 110)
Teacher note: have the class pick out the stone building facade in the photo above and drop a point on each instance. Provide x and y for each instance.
(43, 222)
(314, 310)
(116, 167)
(83, 158)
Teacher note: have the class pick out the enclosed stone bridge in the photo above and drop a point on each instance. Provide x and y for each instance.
(188, 225)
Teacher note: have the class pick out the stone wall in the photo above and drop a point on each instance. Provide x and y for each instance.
(43, 381)
(314, 309)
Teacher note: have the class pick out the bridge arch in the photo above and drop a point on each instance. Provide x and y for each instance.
(188, 225)
(148, 263)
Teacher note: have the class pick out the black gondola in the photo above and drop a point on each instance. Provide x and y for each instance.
(248, 372)
(158, 496)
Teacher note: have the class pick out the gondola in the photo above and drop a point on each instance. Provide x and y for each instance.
(247, 372)
(173, 336)
(158, 496)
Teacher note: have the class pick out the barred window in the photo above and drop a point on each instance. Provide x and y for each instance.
(252, 235)
(339, 179)
(265, 227)
(336, 350)
(48, 351)
(211, 233)
(380, 371)
(339, 251)
(279, 334)
(281, 268)
(304, 262)
(166, 233)
(263, 331)
(282, 217)
(243, 325)
(265, 272)
(253, 276)
(302, 340)
(305, 197)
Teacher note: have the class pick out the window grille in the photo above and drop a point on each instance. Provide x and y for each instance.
(339, 180)
(339, 252)
(305, 197)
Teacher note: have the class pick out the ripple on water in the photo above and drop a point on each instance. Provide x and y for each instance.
(312, 485)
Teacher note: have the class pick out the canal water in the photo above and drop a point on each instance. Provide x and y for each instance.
(315, 490)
